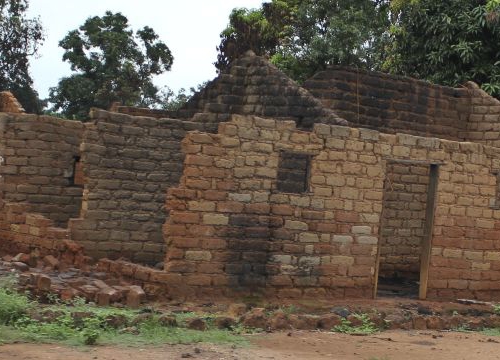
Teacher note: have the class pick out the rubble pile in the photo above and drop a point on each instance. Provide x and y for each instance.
(69, 276)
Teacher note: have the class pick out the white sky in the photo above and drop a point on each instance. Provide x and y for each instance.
(190, 28)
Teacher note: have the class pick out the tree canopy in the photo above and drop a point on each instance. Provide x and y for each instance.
(20, 38)
(111, 64)
(304, 36)
(446, 42)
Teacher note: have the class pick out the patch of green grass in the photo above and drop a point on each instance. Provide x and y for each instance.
(496, 309)
(78, 323)
(491, 332)
(12, 305)
(367, 326)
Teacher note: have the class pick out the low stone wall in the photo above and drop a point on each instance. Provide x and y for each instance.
(24, 232)
(231, 231)
(38, 162)
(128, 165)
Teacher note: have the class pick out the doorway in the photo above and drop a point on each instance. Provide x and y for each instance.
(406, 224)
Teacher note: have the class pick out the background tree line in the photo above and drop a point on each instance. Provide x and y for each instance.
(446, 42)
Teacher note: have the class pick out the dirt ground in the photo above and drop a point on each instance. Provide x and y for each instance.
(390, 345)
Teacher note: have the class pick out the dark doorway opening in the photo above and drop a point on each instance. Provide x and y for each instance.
(406, 229)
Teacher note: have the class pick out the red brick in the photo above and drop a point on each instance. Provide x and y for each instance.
(174, 254)
(184, 242)
(227, 185)
(214, 195)
(182, 193)
(260, 208)
(346, 216)
(230, 207)
(213, 244)
(453, 232)
(327, 227)
(200, 160)
(184, 217)
(210, 268)
(198, 184)
(201, 230)
(282, 210)
(175, 230)
(180, 267)
(215, 173)
(198, 280)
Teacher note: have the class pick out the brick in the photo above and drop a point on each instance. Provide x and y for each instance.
(215, 219)
(135, 297)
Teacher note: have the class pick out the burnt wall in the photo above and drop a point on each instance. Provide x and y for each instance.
(38, 156)
(392, 104)
(253, 86)
(484, 121)
(128, 164)
(232, 231)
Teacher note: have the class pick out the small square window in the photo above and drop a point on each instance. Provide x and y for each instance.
(496, 200)
(293, 172)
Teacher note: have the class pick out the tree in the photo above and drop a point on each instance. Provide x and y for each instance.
(446, 42)
(20, 38)
(304, 36)
(111, 64)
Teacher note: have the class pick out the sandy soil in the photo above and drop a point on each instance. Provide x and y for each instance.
(391, 345)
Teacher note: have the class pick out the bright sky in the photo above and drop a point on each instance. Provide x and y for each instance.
(190, 28)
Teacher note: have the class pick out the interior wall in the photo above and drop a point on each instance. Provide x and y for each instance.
(38, 155)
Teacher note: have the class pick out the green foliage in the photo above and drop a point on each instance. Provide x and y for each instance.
(22, 319)
(302, 37)
(20, 38)
(367, 326)
(446, 42)
(496, 308)
(172, 101)
(491, 332)
(13, 306)
(111, 64)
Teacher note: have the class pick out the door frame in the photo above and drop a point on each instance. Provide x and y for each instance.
(430, 212)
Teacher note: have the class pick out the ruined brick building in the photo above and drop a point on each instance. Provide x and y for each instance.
(261, 186)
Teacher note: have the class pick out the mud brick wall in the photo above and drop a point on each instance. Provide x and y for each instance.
(231, 232)
(253, 86)
(38, 161)
(128, 165)
(136, 111)
(465, 253)
(21, 231)
(484, 121)
(405, 201)
(9, 104)
(392, 103)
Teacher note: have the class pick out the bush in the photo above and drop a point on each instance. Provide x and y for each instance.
(13, 306)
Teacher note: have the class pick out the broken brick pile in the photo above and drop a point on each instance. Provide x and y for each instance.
(69, 276)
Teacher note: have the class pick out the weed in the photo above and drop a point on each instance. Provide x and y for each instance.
(24, 320)
(496, 308)
(290, 309)
(491, 332)
(367, 326)
(12, 305)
